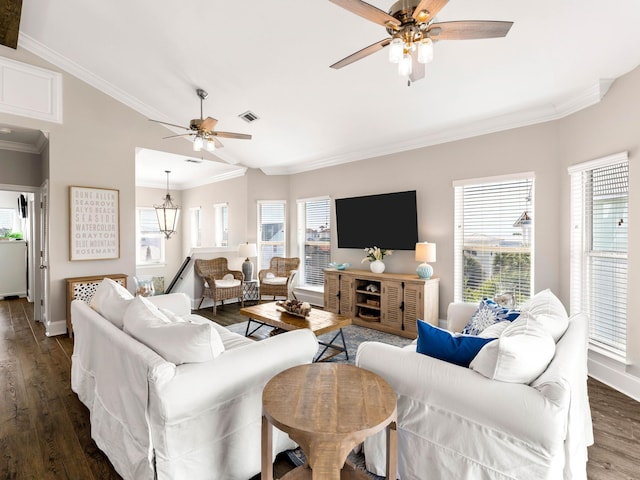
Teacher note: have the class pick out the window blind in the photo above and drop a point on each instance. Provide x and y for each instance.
(493, 238)
(271, 231)
(6, 219)
(599, 245)
(314, 239)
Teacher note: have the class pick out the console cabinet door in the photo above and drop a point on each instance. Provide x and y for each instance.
(413, 306)
(391, 302)
(331, 292)
(347, 300)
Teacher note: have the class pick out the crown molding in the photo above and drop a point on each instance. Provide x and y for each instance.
(221, 177)
(540, 114)
(99, 83)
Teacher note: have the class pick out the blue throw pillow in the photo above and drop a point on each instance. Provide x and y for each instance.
(488, 313)
(443, 345)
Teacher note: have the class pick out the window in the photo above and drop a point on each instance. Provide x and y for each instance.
(493, 238)
(150, 240)
(314, 239)
(221, 225)
(599, 233)
(7, 216)
(195, 224)
(271, 231)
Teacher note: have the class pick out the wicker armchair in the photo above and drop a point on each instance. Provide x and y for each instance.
(277, 280)
(216, 287)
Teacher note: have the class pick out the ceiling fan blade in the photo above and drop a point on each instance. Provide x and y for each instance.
(369, 12)
(365, 52)
(240, 136)
(180, 135)
(427, 9)
(208, 124)
(217, 142)
(170, 124)
(468, 30)
(417, 68)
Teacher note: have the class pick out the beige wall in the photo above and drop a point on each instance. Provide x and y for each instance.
(19, 168)
(431, 171)
(610, 127)
(95, 147)
(234, 193)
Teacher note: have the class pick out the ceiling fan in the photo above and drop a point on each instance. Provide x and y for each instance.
(202, 130)
(413, 31)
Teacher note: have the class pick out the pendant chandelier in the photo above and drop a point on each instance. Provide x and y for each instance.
(167, 213)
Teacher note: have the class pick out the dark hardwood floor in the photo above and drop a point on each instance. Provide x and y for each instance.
(45, 431)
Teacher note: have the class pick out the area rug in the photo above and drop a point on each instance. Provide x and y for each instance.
(354, 460)
(354, 335)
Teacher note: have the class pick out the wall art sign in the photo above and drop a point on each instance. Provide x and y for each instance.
(94, 230)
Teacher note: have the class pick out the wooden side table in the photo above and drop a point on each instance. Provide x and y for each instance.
(327, 409)
(83, 288)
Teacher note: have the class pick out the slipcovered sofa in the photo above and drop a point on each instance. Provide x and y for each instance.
(454, 422)
(154, 418)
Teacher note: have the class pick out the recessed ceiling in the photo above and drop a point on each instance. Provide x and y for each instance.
(273, 58)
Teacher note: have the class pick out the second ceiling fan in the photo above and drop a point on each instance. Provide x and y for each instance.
(202, 130)
(410, 23)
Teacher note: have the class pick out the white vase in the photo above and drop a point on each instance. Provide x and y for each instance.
(377, 266)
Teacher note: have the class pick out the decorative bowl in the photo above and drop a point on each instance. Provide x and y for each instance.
(295, 307)
(339, 266)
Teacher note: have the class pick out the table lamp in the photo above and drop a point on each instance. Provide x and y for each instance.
(247, 250)
(425, 252)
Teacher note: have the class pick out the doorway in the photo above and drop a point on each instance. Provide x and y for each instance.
(23, 169)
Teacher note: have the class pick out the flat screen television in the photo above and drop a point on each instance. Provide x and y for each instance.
(389, 220)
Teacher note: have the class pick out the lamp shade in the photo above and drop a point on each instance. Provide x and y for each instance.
(425, 252)
(247, 250)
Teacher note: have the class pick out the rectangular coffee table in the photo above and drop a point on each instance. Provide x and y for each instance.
(318, 321)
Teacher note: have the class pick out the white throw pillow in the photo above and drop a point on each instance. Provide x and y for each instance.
(111, 301)
(549, 311)
(495, 330)
(177, 342)
(520, 355)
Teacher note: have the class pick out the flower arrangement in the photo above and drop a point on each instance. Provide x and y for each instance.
(375, 253)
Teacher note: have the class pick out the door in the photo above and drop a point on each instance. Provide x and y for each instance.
(44, 252)
(391, 304)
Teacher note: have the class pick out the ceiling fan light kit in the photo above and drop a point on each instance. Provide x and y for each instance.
(410, 23)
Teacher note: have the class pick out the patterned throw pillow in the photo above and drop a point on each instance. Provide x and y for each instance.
(487, 314)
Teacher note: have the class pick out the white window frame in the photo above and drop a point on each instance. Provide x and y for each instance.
(603, 311)
(221, 224)
(526, 204)
(263, 261)
(151, 234)
(304, 242)
(195, 226)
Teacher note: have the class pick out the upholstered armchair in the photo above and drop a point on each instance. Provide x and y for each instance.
(278, 279)
(220, 283)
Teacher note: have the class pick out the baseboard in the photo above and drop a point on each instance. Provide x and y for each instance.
(613, 374)
(56, 328)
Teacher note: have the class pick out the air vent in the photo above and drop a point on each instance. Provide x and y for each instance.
(192, 160)
(248, 116)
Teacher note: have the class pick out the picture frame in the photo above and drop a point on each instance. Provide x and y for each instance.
(94, 223)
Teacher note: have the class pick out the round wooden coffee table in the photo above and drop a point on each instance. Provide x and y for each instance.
(327, 409)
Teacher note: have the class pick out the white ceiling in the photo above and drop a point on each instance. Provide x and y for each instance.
(272, 57)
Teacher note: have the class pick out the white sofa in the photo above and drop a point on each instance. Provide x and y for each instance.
(456, 423)
(155, 419)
